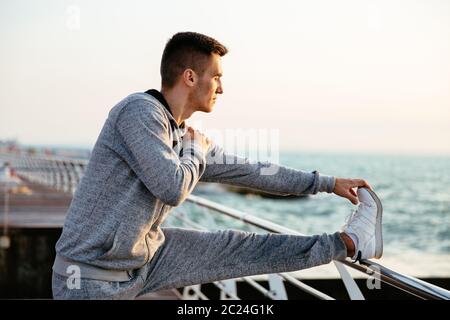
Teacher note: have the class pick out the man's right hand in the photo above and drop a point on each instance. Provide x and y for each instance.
(200, 138)
(344, 188)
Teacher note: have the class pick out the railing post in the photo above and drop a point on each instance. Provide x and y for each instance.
(193, 293)
(350, 284)
(229, 288)
(276, 285)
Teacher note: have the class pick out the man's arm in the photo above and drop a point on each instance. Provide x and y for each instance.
(271, 178)
(143, 129)
(264, 176)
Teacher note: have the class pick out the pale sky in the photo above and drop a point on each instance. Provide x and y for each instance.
(360, 76)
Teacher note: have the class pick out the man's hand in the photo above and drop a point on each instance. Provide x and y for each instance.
(192, 134)
(344, 188)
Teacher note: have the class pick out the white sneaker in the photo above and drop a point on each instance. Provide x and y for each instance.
(364, 226)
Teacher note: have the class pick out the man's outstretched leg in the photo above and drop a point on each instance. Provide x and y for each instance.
(192, 257)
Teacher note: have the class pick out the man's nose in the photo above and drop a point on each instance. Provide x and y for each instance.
(219, 88)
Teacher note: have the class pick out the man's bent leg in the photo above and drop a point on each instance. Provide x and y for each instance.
(190, 257)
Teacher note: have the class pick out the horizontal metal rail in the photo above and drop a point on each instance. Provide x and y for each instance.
(408, 284)
(59, 173)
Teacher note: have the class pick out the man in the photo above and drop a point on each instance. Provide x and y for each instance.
(147, 161)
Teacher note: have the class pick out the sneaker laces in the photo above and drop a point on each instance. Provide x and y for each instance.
(354, 216)
(358, 257)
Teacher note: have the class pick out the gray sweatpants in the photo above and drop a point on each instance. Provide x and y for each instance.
(190, 257)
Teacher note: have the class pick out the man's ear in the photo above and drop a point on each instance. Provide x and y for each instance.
(189, 77)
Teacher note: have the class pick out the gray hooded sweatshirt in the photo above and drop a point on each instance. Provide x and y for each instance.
(140, 168)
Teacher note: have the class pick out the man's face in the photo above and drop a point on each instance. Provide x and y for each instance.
(209, 85)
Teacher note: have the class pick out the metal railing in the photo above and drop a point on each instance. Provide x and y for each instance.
(65, 174)
(59, 173)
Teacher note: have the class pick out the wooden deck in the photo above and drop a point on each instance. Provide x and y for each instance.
(43, 207)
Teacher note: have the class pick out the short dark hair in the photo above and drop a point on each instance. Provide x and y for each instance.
(187, 50)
